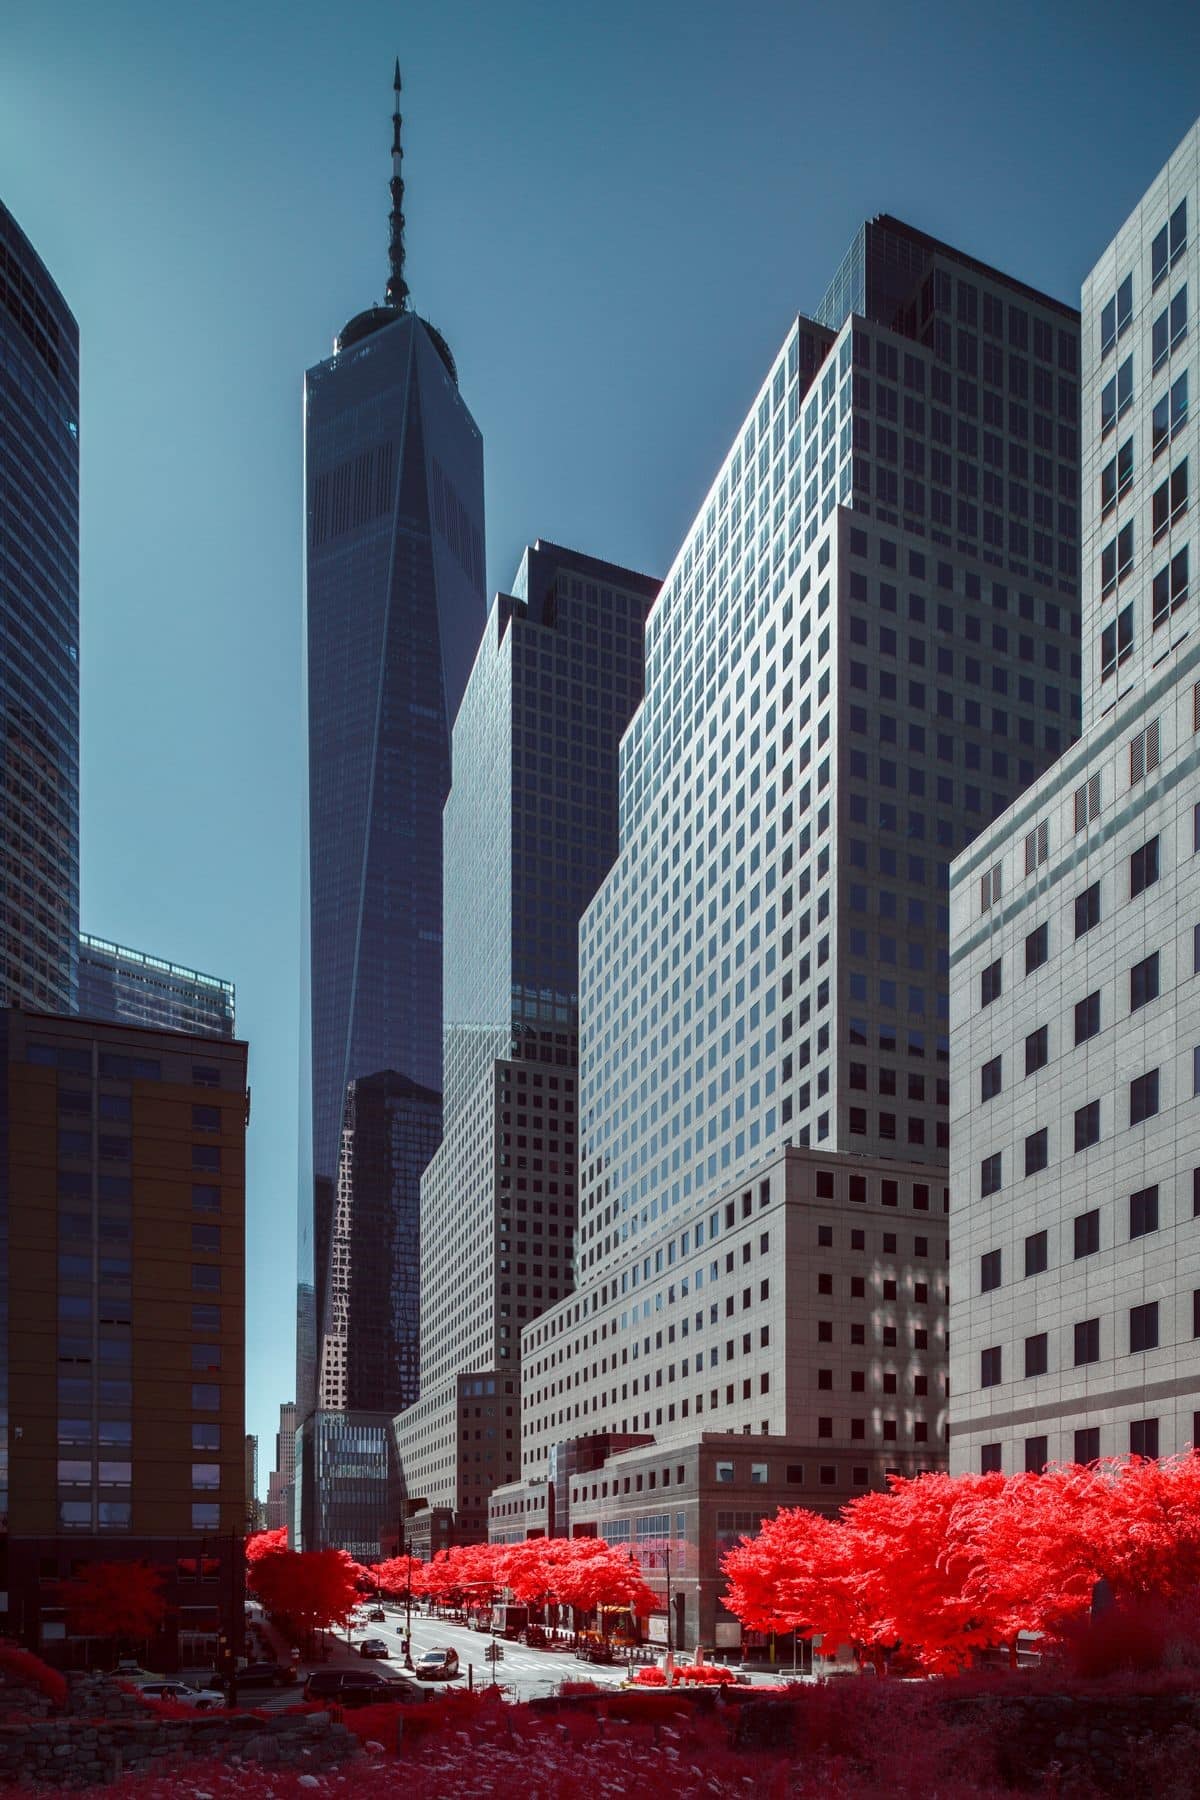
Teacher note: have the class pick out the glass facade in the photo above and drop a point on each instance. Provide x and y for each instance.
(125, 987)
(346, 1472)
(394, 581)
(39, 609)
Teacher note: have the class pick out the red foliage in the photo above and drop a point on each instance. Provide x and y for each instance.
(23, 1667)
(265, 1543)
(309, 1590)
(119, 1600)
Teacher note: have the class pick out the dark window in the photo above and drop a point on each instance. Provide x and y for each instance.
(989, 1459)
(1143, 1327)
(1037, 1150)
(1087, 1342)
(1143, 868)
(990, 1079)
(1037, 948)
(1087, 1444)
(1087, 909)
(1143, 1437)
(989, 1271)
(1087, 1017)
(1087, 1233)
(989, 1174)
(1035, 1253)
(1143, 1212)
(1143, 982)
(1087, 1125)
(1036, 1354)
(990, 1367)
(1036, 1451)
(1143, 1097)
(989, 984)
(1037, 1050)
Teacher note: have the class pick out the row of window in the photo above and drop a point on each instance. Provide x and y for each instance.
(1143, 1335)
(1143, 1219)
(1143, 1105)
(1166, 248)
(1143, 1441)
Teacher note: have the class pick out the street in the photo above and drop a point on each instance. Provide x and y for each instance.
(524, 1672)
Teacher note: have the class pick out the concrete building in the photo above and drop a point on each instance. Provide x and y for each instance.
(530, 829)
(122, 1187)
(39, 612)
(1075, 945)
(281, 1480)
(126, 987)
(866, 646)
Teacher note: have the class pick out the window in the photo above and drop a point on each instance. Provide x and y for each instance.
(1116, 642)
(1037, 846)
(989, 888)
(1037, 1050)
(1169, 244)
(1169, 500)
(1143, 753)
(1170, 414)
(989, 984)
(1087, 1444)
(1087, 802)
(1087, 1017)
(1036, 1451)
(1143, 982)
(206, 1515)
(724, 1471)
(1143, 868)
(1087, 909)
(990, 1367)
(1143, 1437)
(206, 1437)
(1036, 1354)
(1143, 1097)
(1087, 1342)
(989, 1459)
(989, 1174)
(206, 1396)
(1143, 1212)
(1087, 1125)
(1037, 1151)
(1035, 1253)
(1116, 558)
(206, 1477)
(989, 1271)
(1037, 948)
(206, 1277)
(1170, 588)
(206, 1118)
(989, 1079)
(1143, 1327)
(1087, 1233)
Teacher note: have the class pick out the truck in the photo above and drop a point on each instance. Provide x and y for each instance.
(509, 1621)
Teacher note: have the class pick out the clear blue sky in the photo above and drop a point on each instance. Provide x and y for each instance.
(613, 211)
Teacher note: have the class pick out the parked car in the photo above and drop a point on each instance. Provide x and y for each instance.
(535, 1637)
(437, 1665)
(180, 1692)
(592, 1650)
(261, 1674)
(361, 1687)
(377, 1616)
(373, 1647)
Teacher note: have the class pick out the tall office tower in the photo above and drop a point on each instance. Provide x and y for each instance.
(1075, 1101)
(282, 1476)
(252, 1521)
(867, 644)
(394, 606)
(39, 606)
(122, 1189)
(531, 827)
(127, 987)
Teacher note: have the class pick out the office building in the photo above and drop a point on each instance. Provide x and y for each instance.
(531, 827)
(1075, 945)
(126, 987)
(122, 1185)
(394, 606)
(39, 605)
(866, 646)
(254, 1518)
(281, 1480)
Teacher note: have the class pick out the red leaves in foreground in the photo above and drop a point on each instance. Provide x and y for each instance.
(121, 1600)
(22, 1668)
(948, 1564)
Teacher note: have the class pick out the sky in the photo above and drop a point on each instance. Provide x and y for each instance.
(613, 213)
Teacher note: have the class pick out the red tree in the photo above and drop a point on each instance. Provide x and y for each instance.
(309, 1590)
(122, 1601)
(265, 1543)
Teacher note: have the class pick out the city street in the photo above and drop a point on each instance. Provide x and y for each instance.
(524, 1672)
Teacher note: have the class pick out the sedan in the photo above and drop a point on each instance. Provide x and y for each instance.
(180, 1692)
(377, 1616)
(373, 1647)
(264, 1674)
(437, 1665)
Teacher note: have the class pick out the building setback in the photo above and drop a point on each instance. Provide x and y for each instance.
(1075, 946)
(126, 987)
(866, 646)
(123, 1192)
(39, 607)
(530, 830)
(394, 605)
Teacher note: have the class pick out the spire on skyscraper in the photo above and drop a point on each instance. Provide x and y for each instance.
(397, 287)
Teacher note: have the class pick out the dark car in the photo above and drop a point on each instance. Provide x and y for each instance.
(264, 1674)
(373, 1647)
(360, 1687)
(594, 1652)
(535, 1637)
(376, 1616)
(437, 1665)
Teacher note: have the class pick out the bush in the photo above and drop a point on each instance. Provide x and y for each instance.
(22, 1667)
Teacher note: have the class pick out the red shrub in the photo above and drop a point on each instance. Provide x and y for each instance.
(650, 1676)
(17, 1665)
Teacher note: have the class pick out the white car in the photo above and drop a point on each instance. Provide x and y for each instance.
(181, 1693)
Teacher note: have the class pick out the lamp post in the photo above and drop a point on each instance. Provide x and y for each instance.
(408, 1661)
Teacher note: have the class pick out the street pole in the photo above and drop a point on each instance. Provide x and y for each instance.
(667, 1560)
(408, 1661)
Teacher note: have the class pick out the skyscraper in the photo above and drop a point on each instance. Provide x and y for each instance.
(128, 987)
(394, 592)
(530, 829)
(1075, 944)
(39, 606)
(866, 645)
